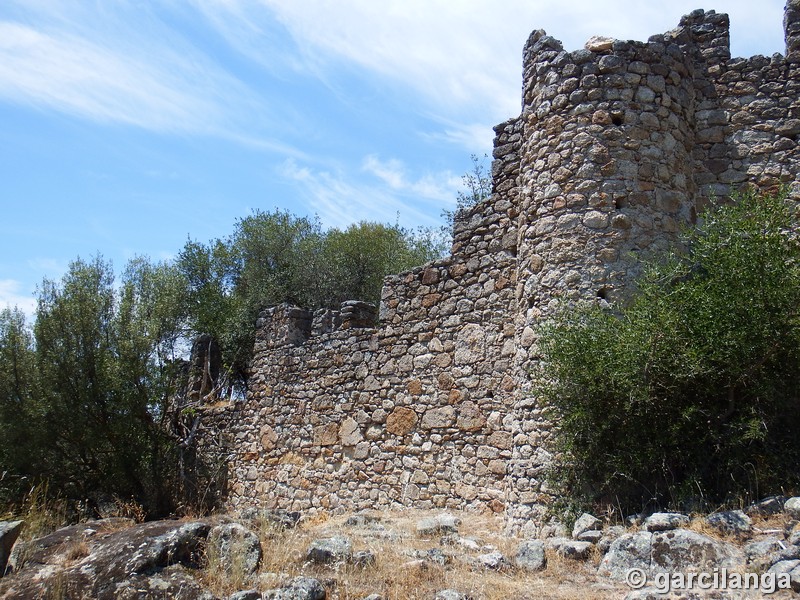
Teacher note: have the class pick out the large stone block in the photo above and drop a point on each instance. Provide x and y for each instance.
(401, 421)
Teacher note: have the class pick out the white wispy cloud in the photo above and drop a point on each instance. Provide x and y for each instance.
(129, 66)
(460, 61)
(73, 75)
(441, 187)
(464, 57)
(12, 295)
(340, 197)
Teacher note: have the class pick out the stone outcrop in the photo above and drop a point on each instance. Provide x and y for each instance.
(234, 549)
(617, 147)
(9, 532)
(368, 553)
(111, 558)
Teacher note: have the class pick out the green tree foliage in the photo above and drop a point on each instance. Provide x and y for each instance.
(356, 260)
(275, 257)
(83, 396)
(93, 395)
(477, 184)
(17, 409)
(690, 392)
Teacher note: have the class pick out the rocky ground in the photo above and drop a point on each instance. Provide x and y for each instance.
(408, 554)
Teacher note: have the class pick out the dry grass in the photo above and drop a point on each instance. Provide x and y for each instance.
(401, 573)
(42, 515)
(223, 576)
(126, 509)
(41, 512)
(75, 551)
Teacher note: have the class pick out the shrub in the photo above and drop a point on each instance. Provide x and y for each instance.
(690, 391)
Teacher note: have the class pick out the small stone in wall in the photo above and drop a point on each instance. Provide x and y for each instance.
(470, 417)
(268, 438)
(415, 387)
(349, 432)
(401, 421)
(599, 43)
(438, 417)
(326, 435)
(430, 276)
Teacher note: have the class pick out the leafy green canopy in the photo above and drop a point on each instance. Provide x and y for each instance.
(690, 392)
(82, 395)
(93, 396)
(275, 257)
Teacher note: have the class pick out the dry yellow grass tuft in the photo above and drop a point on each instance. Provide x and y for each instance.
(408, 567)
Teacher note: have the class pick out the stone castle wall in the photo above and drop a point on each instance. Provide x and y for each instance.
(618, 147)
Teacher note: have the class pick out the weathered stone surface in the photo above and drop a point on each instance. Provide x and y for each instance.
(234, 549)
(629, 551)
(300, 588)
(733, 522)
(790, 568)
(670, 551)
(763, 553)
(792, 507)
(681, 550)
(113, 558)
(174, 581)
(609, 535)
(531, 556)
(9, 532)
(584, 523)
(179, 543)
(664, 521)
(330, 550)
(401, 421)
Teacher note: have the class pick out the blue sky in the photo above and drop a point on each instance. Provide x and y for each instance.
(127, 127)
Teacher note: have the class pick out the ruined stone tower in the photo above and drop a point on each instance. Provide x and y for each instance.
(617, 147)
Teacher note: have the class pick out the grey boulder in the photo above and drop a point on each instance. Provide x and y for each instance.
(235, 549)
(9, 532)
(531, 556)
